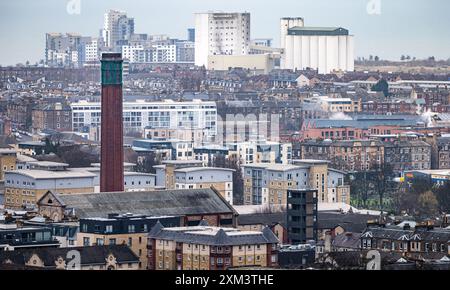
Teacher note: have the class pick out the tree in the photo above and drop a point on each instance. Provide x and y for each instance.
(145, 164)
(50, 147)
(428, 204)
(75, 157)
(382, 181)
(377, 58)
(402, 58)
(414, 198)
(442, 194)
(381, 86)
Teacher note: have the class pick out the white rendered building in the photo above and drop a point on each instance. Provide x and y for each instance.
(221, 34)
(325, 49)
(133, 53)
(140, 115)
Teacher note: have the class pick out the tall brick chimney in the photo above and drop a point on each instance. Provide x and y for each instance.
(111, 168)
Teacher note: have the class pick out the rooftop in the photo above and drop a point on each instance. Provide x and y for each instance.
(195, 169)
(44, 174)
(213, 236)
(304, 30)
(274, 167)
(150, 203)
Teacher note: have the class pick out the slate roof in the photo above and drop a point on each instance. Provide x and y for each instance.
(89, 255)
(150, 203)
(267, 219)
(213, 236)
(364, 121)
(347, 240)
(351, 222)
(390, 233)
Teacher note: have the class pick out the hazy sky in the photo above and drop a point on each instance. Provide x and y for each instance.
(419, 28)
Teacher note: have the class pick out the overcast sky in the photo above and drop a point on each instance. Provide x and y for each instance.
(418, 28)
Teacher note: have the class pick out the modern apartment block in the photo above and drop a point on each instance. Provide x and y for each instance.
(8, 159)
(208, 153)
(23, 188)
(165, 115)
(268, 184)
(13, 238)
(210, 248)
(205, 177)
(261, 152)
(117, 27)
(133, 181)
(165, 173)
(301, 216)
(166, 149)
(128, 229)
(64, 49)
(221, 34)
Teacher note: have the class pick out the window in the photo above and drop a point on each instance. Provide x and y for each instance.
(86, 241)
(131, 228)
(100, 242)
(109, 229)
(112, 241)
(130, 242)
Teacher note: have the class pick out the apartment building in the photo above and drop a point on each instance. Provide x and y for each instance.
(23, 188)
(407, 240)
(221, 179)
(166, 149)
(357, 155)
(261, 152)
(141, 114)
(210, 248)
(126, 229)
(14, 238)
(165, 173)
(443, 152)
(301, 216)
(133, 181)
(406, 155)
(208, 153)
(268, 184)
(336, 105)
(8, 159)
(350, 155)
(118, 257)
(55, 116)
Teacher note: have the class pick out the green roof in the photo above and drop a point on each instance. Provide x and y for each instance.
(331, 31)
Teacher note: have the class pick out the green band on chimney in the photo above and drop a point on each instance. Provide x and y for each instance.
(111, 72)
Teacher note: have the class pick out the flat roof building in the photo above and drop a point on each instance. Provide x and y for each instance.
(23, 188)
